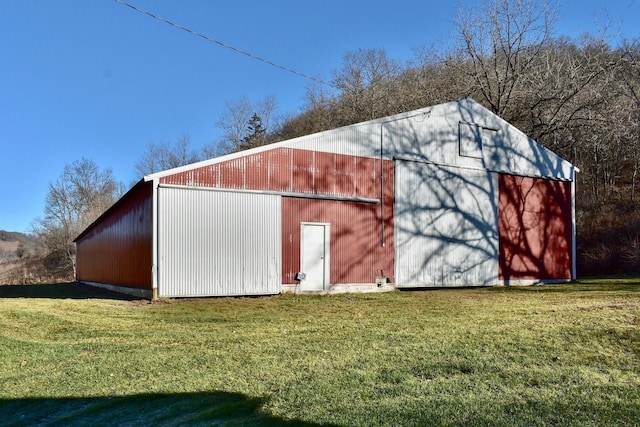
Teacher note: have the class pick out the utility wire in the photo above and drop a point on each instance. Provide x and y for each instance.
(209, 39)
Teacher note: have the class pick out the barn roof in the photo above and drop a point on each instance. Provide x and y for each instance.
(460, 133)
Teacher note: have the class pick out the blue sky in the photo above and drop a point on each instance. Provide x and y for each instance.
(96, 79)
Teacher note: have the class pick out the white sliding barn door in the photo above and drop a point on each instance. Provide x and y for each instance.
(218, 243)
(446, 226)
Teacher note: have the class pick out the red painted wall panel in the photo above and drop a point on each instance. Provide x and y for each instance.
(356, 251)
(357, 254)
(302, 172)
(279, 163)
(232, 173)
(257, 171)
(535, 228)
(118, 249)
(325, 174)
(367, 178)
(289, 170)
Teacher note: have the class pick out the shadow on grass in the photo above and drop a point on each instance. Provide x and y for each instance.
(214, 408)
(72, 290)
(581, 285)
(611, 284)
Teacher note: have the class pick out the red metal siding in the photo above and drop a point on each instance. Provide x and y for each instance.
(279, 164)
(118, 248)
(257, 171)
(302, 172)
(535, 227)
(289, 170)
(366, 181)
(356, 253)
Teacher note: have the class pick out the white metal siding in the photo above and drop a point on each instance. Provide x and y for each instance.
(217, 243)
(432, 134)
(446, 226)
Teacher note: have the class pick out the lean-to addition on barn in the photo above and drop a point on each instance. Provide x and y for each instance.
(449, 195)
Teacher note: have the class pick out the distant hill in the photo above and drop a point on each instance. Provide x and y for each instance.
(23, 261)
(15, 245)
(15, 249)
(11, 236)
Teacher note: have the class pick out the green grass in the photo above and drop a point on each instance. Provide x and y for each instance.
(545, 355)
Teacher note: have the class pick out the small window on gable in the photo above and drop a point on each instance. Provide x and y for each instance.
(470, 140)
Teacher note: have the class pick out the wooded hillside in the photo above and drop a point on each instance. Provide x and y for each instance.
(580, 98)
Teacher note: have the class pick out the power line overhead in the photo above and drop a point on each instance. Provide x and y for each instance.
(227, 46)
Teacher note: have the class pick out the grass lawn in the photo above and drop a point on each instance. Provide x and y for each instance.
(545, 355)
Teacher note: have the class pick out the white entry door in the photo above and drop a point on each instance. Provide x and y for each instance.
(314, 256)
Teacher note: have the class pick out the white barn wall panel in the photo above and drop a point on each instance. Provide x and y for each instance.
(429, 136)
(433, 134)
(445, 222)
(361, 140)
(215, 243)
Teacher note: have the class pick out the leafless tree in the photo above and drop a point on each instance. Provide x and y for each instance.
(369, 85)
(497, 44)
(81, 194)
(238, 131)
(630, 86)
(434, 78)
(165, 155)
(320, 108)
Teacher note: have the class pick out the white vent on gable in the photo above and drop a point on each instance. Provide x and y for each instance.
(470, 139)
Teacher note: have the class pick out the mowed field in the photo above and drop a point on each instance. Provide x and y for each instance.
(504, 356)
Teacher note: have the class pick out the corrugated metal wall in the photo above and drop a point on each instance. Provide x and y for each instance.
(356, 252)
(446, 226)
(356, 227)
(446, 209)
(214, 243)
(432, 134)
(289, 170)
(117, 250)
(535, 225)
